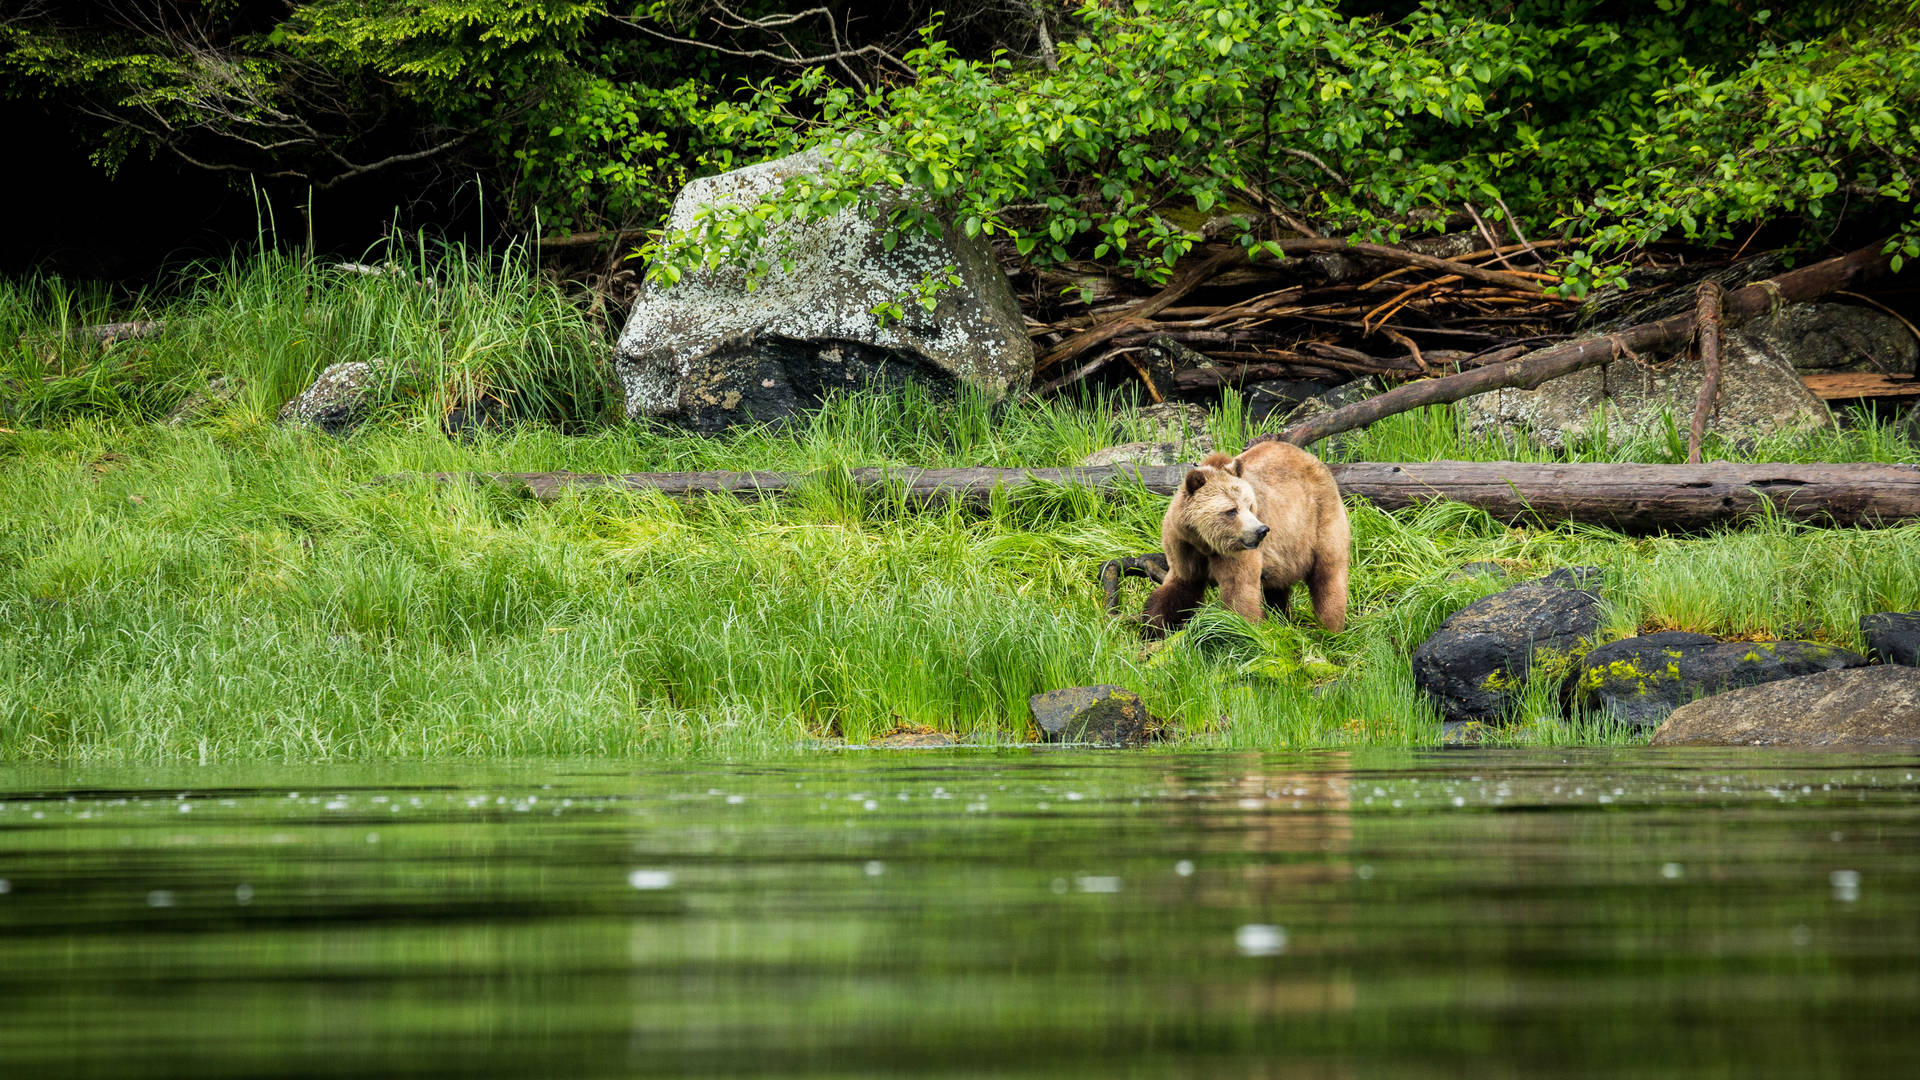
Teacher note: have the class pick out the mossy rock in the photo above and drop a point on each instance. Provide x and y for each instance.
(1640, 681)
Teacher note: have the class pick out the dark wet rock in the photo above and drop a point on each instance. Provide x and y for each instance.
(1893, 637)
(1280, 396)
(1476, 663)
(1854, 708)
(473, 417)
(706, 353)
(1458, 734)
(1573, 577)
(1101, 715)
(204, 402)
(913, 737)
(1640, 681)
(339, 399)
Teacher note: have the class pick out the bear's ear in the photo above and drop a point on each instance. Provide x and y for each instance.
(1196, 479)
(1233, 468)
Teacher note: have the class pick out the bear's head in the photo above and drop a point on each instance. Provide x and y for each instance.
(1221, 512)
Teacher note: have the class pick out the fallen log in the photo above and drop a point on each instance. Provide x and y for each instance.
(1632, 498)
(1529, 371)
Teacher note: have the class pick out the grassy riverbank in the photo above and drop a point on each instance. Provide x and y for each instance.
(230, 590)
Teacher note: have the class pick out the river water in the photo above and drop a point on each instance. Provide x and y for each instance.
(957, 914)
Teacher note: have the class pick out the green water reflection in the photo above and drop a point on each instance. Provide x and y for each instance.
(1518, 913)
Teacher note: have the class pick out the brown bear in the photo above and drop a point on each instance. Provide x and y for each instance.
(1254, 525)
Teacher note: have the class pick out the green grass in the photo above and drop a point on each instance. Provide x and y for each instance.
(230, 590)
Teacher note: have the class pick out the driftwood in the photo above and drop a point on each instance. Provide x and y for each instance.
(1535, 368)
(1634, 498)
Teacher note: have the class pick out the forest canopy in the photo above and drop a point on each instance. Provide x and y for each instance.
(1124, 133)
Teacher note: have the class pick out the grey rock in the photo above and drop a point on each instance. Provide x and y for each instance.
(1834, 337)
(339, 399)
(1760, 394)
(1152, 453)
(1856, 708)
(1345, 394)
(1101, 715)
(217, 394)
(706, 353)
(1475, 664)
(1893, 637)
(1167, 421)
(1478, 569)
(1640, 681)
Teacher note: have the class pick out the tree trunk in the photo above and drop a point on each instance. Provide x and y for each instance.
(1633, 498)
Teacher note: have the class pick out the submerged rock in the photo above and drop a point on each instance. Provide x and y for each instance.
(337, 402)
(1640, 681)
(1101, 715)
(1855, 708)
(1475, 664)
(1893, 637)
(707, 352)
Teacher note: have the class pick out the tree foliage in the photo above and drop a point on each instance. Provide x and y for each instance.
(1125, 132)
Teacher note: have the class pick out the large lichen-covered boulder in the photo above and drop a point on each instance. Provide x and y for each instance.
(707, 352)
(1475, 665)
(1855, 708)
(1760, 394)
(1640, 681)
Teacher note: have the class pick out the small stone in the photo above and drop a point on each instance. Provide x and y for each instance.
(1460, 734)
(913, 737)
(1640, 681)
(1101, 715)
(1854, 708)
(1893, 637)
(1478, 569)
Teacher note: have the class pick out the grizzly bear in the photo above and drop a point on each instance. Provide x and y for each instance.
(1254, 525)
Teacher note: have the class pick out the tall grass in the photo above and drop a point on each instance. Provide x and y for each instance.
(444, 327)
(230, 589)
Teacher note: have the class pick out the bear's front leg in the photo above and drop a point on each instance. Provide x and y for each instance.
(1240, 590)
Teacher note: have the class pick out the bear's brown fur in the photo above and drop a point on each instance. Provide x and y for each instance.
(1254, 525)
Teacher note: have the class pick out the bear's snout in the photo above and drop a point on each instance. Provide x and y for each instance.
(1252, 539)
